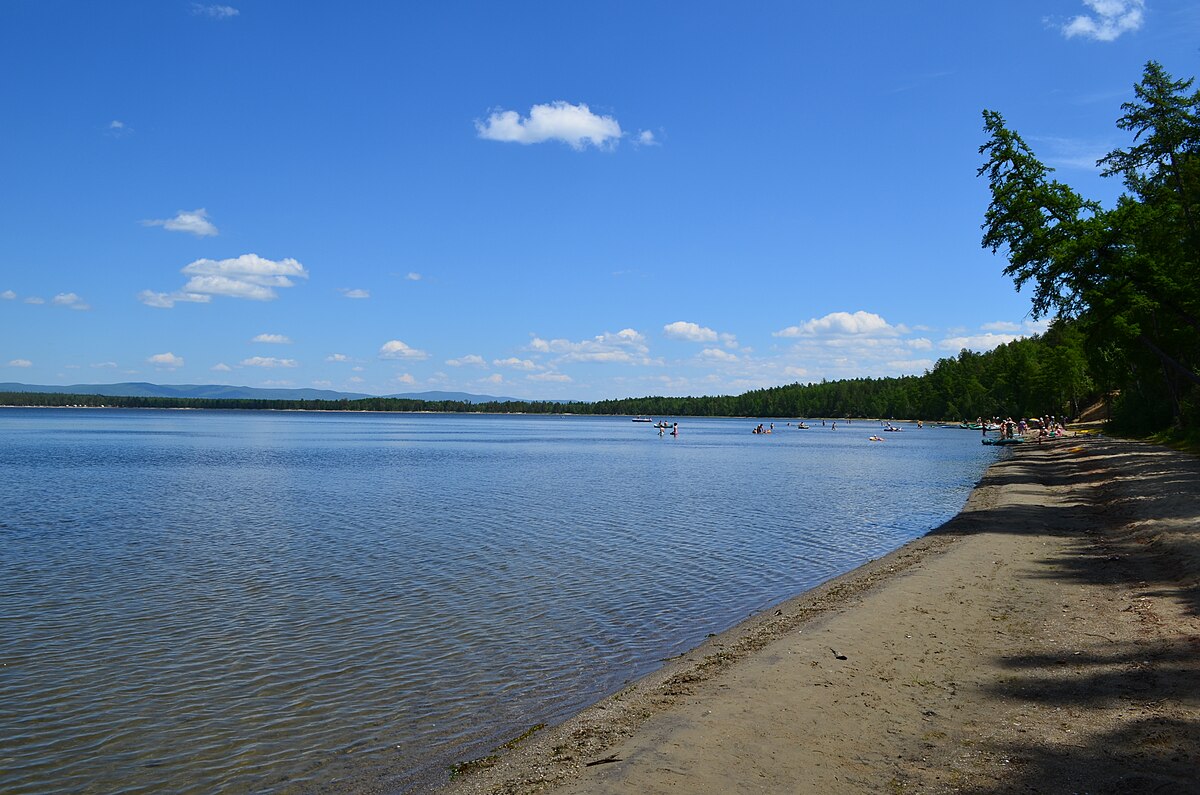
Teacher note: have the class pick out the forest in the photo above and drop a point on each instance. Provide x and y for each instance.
(1126, 279)
(1029, 377)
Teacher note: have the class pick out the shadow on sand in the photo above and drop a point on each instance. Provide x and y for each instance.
(1131, 520)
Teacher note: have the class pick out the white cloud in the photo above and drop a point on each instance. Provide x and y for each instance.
(414, 277)
(1075, 153)
(118, 129)
(167, 360)
(337, 357)
(574, 125)
(356, 293)
(842, 323)
(404, 378)
(846, 345)
(692, 332)
(977, 342)
(718, 355)
(558, 378)
(625, 346)
(911, 366)
(995, 333)
(214, 11)
(194, 223)
(354, 379)
(646, 138)
(20, 363)
(273, 339)
(267, 361)
(1110, 20)
(33, 299)
(470, 359)
(69, 300)
(1037, 326)
(395, 349)
(493, 379)
(105, 365)
(249, 276)
(514, 363)
(221, 367)
(8, 295)
(322, 384)
(168, 300)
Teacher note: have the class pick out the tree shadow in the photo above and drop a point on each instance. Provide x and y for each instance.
(1141, 756)
(1132, 517)
(1141, 753)
(1133, 510)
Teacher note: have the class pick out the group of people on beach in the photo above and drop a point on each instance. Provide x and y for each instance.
(1048, 427)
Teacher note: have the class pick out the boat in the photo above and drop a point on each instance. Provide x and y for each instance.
(801, 427)
(642, 419)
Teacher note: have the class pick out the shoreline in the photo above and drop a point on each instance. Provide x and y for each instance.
(877, 681)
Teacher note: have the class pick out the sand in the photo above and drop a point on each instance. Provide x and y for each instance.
(1045, 640)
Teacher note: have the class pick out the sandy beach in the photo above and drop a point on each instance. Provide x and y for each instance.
(1047, 639)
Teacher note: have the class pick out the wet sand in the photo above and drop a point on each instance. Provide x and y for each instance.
(1047, 639)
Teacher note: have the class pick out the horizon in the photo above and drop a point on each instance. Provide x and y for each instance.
(562, 204)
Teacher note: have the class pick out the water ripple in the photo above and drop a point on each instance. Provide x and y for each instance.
(227, 602)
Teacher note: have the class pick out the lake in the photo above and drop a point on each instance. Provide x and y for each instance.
(236, 601)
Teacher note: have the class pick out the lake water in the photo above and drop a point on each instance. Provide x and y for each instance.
(202, 601)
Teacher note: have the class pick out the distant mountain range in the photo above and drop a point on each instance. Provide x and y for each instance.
(211, 391)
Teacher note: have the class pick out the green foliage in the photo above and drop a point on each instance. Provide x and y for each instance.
(1130, 275)
(1023, 378)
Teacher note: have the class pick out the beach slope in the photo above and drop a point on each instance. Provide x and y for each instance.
(1046, 639)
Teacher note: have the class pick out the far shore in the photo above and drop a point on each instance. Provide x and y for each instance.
(1046, 639)
(681, 417)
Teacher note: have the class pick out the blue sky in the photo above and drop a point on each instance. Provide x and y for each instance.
(541, 200)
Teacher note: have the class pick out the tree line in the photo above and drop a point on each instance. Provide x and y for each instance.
(1026, 377)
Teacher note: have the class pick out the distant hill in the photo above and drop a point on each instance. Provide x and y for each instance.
(218, 391)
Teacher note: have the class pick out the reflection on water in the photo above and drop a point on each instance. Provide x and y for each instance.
(236, 601)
